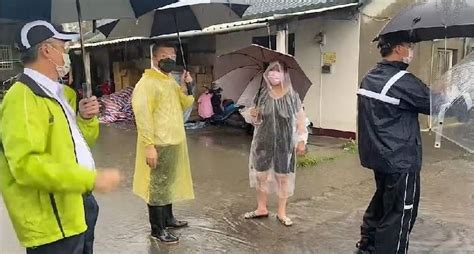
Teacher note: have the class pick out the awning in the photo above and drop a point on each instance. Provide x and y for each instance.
(224, 28)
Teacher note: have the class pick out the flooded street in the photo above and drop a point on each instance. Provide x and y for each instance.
(327, 207)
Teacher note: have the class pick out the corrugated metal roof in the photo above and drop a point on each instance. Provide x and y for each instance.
(261, 8)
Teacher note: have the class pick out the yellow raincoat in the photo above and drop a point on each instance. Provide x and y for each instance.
(158, 103)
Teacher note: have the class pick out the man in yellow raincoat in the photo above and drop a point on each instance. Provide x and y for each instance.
(162, 171)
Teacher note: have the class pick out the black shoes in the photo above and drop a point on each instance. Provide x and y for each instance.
(165, 237)
(364, 248)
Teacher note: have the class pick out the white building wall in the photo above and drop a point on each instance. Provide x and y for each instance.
(331, 101)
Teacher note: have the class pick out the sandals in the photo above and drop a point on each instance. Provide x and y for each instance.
(254, 215)
(287, 222)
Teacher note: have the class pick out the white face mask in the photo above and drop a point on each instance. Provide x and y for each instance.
(409, 58)
(66, 68)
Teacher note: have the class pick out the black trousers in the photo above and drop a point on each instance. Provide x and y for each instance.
(78, 244)
(391, 214)
(70, 245)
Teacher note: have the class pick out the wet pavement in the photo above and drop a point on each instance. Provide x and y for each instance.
(327, 207)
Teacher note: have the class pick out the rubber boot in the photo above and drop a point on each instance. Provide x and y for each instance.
(171, 221)
(157, 216)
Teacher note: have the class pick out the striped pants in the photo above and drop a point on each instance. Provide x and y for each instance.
(391, 214)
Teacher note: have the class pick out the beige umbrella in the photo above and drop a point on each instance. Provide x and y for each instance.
(240, 73)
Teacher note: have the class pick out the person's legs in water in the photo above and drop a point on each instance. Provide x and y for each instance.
(262, 192)
(283, 189)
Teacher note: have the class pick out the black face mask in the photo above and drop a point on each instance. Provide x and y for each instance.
(167, 65)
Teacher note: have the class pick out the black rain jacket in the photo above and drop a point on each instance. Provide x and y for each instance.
(389, 101)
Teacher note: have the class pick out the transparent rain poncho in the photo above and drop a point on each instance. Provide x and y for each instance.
(279, 127)
(452, 107)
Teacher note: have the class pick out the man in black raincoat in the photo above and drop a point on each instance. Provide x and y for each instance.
(389, 101)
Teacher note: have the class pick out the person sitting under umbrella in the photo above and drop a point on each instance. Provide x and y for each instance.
(280, 134)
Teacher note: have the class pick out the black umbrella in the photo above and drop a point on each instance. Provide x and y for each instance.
(62, 11)
(186, 15)
(434, 19)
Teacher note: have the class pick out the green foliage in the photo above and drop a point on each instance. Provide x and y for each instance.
(308, 160)
(350, 147)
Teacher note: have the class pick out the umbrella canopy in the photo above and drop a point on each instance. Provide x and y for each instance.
(434, 19)
(64, 11)
(240, 73)
(452, 106)
(186, 15)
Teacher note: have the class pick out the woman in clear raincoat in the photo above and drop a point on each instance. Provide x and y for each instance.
(280, 134)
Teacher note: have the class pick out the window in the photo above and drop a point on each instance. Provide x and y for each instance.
(446, 60)
(266, 40)
(6, 58)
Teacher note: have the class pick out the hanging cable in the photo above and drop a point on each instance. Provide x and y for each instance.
(269, 36)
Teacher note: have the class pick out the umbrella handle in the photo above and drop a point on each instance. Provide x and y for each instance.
(180, 42)
(257, 98)
(265, 66)
(439, 131)
(87, 85)
(438, 135)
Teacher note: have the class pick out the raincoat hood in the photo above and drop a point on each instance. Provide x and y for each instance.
(285, 78)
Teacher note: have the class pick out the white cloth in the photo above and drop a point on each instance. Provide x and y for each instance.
(56, 91)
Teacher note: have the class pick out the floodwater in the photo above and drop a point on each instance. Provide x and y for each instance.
(327, 207)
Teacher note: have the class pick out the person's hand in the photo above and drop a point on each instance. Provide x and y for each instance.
(186, 78)
(151, 156)
(89, 107)
(254, 112)
(301, 148)
(107, 180)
